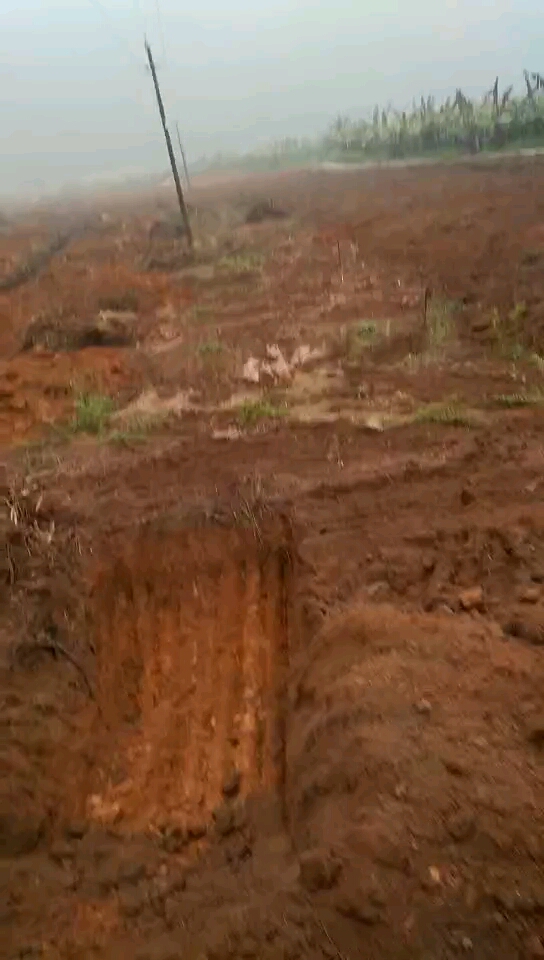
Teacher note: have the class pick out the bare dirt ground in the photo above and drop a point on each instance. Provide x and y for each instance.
(272, 573)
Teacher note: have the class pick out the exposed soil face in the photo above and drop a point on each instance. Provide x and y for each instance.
(271, 643)
(189, 706)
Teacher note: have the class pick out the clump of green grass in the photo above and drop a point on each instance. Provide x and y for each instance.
(210, 348)
(126, 301)
(242, 262)
(357, 338)
(137, 430)
(200, 312)
(251, 412)
(440, 323)
(447, 414)
(511, 401)
(93, 412)
(537, 361)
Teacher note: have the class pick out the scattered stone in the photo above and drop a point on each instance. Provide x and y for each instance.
(61, 852)
(304, 354)
(467, 497)
(319, 870)
(378, 589)
(174, 839)
(131, 872)
(529, 594)
(264, 210)
(535, 731)
(428, 563)
(19, 834)
(374, 422)
(251, 372)
(472, 599)
(431, 879)
(534, 947)
(161, 949)
(461, 826)
(195, 831)
(76, 830)
(481, 324)
(276, 362)
(231, 786)
(360, 904)
(132, 903)
(423, 707)
(228, 818)
(230, 433)
(455, 767)
(401, 791)
(522, 628)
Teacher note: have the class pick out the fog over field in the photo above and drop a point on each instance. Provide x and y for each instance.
(77, 101)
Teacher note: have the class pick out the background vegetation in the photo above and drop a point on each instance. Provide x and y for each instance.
(501, 119)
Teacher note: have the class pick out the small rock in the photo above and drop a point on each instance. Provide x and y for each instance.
(131, 872)
(523, 628)
(76, 830)
(231, 786)
(195, 831)
(132, 903)
(358, 906)
(466, 944)
(423, 707)
(534, 947)
(529, 594)
(251, 371)
(455, 767)
(160, 949)
(481, 324)
(431, 879)
(428, 563)
(535, 731)
(304, 355)
(467, 497)
(471, 599)
(230, 433)
(401, 791)
(277, 363)
(60, 852)
(228, 818)
(174, 840)
(378, 589)
(19, 835)
(319, 870)
(461, 826)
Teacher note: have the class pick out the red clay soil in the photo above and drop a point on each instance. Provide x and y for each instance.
(280, 696)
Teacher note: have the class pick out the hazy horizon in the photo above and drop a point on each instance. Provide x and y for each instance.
(78, 101)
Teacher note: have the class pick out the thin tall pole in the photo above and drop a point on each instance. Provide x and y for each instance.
(175, 174)
(182, 151)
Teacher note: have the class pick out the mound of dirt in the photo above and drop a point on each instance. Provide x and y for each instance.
(265, 210)
(111, 328)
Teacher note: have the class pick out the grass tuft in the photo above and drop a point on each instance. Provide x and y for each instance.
(447, 414)
(242, 262)
(440, 323)
(251, 412)
(93, 412)
(511, 401)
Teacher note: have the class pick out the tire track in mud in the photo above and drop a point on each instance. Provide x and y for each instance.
(39, 259)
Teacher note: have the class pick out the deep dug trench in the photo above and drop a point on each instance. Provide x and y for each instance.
(243, 786)
(190, 628)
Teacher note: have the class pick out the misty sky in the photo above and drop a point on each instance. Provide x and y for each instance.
(76, 99)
